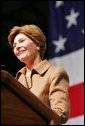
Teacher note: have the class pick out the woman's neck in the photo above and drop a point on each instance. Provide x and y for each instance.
(30, 65)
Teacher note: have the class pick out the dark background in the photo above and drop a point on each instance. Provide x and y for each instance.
(19, 13)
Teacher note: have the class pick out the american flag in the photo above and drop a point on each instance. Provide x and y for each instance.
(66, 48)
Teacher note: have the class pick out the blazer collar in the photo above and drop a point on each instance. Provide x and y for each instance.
(40, 68)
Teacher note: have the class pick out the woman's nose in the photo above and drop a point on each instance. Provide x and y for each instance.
(16, 48)
(18, 45)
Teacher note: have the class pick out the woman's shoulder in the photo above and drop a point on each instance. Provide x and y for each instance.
(58, 71)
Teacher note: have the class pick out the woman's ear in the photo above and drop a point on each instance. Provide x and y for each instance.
(38, 48)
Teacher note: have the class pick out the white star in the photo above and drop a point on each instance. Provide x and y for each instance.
(60, 43)
(82, 31)
(59, 3)
(72, 18)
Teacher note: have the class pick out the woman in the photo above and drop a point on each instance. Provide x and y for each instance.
(49, 83)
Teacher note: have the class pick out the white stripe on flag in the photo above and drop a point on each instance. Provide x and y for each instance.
(73, 64)
(76, 121)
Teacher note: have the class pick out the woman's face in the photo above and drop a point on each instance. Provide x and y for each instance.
(24, 48)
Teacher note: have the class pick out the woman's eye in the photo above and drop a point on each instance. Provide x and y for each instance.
(22, 40)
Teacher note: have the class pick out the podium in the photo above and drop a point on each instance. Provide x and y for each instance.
(19, 106)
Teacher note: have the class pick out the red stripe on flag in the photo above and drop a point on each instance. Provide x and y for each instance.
(76, 100)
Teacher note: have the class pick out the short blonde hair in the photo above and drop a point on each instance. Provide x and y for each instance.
(33, 32)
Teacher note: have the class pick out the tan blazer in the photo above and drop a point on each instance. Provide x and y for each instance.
(50, 84)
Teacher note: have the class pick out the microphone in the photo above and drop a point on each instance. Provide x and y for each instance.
(3, 67)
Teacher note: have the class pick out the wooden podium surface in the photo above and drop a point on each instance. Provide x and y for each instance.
(19, 106)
